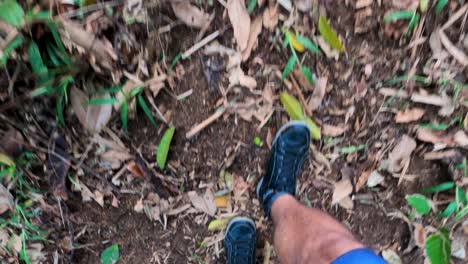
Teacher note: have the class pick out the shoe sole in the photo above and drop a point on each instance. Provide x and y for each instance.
(283, 128)
(240, 219)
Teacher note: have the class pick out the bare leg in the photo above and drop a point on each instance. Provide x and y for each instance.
(307, 235)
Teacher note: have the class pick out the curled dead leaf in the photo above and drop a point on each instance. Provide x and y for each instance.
(342, 190)
(6, 200)
(104, 54)
(319, 92)
(191, 15)
(333, 131)
(240, 21)
(409, 115)
(204, 203)
(401, 153)
(255, 30)
(270, 17)
(93, 118)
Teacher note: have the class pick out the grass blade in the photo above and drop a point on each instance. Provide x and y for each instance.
(462, 213)
(449, 210)
(440, 5)
(12, 13)
(329, 35)
(405, 14)
(124, 116)
(103, 101)
(308, 44)
(175, 60)
(146, 109)
(251, 6)
(163, 147)
(413, 22)
(15, 43)
(352, 149)
(37, 64)
(289, 68)
(308, 74)
(439, 188)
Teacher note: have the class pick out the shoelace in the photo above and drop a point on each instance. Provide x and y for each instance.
(243, 250)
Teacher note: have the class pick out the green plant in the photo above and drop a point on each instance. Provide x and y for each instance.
(296, 112)
(110, 255)
(411, 15)
(329, 35)
(298, 43)
(163, 147)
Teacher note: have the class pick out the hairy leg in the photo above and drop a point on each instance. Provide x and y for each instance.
(308, 235)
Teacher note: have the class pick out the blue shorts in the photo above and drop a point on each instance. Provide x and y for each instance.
(359, 256)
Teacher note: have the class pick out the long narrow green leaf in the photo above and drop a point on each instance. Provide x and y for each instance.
(413, 22)
(329, 35)
(146, 109)
(439, 188)
(308, 74)
(289, 67)
(103, 101)
(287, 38)
(12, 13)
(460, 197)
(449, 210)
(124, 116)
(405, 14)
(175, 60)
(163, 147)
(308, 44)
(352, 149)
(440, 5)
(15, 43)
(314, 129)
(292, 106)
(251, 6)
(461, 213)
(35, 59)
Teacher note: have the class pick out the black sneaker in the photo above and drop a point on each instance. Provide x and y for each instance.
(288, 154)
(240, 241)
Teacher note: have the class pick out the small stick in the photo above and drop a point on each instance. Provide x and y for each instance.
(455, 17)
(199, 127)
(301, 96)
(200, 44)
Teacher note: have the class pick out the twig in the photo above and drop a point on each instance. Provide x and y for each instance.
(153, 104)
(223, 3)
(301, 96)
(199, 127)
(455, 16)
(200, 44)
(91, 8)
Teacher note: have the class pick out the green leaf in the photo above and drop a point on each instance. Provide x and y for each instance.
(461, 213)
(423, 4)
(420, 203)
(124, 116)
(439, 188)
(59, 109)
(287, 39)
(413, 22)
(175, 60)
(405, 14)
(163, 147)
(37, 64)
(251, 6)
(103, 101)
(440, 5)
(308, 74)
(258, 141)
(4, 159)
(12, 13)
(292, 106)
(135, 92)
(329, 34)
(308, 44)
(110, 255)
(449, 210)
(219, 224)
(438, 249)
(146, 109)
(15, 43)
(352, 149)
(460, 197)
(289, 67)
(314, 129)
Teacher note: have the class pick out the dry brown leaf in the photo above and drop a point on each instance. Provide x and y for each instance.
(99, 197)
(409, 115)
(191, 15)
(300, 77)
(329, 52)
(93, 118)
(134, 169)
(457, 53)
(12, 143)
(363, 179)
(333, 131)
(401, 153)
(363, 3)
(431, 99)
(406, 4)
(104, 54)
(15, 243)
(113, 155)
(6, 200)
(240, 21)
(461, 139)
(221, 201)
(238, 77)
(419, 235)
(270, 17)
(319, 92)
(255, 30)
(204, 203)
(138, 206)
(427, 135)
(303, 5)
(342, 190)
